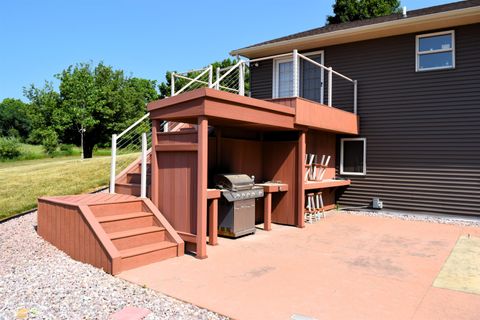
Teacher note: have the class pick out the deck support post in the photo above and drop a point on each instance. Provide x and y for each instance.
(330, 85)
(113, 164)
(210, 76)
(301, 149)
(217, 83)
(295, 73)
(153, 164)
(213, 222)
(267, 212)
(143, 174)
(202, 167)
(241, 80)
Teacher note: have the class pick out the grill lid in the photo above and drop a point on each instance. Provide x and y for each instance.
(233, 182)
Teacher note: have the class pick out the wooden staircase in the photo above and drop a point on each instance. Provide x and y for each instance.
(137, 233)
(115, 232)
(128, 181)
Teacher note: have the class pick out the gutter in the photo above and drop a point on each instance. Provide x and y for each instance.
(440, 19)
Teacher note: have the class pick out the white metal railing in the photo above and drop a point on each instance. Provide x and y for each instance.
(230, 79)
(296, 59)
(234, 78)
(135, 140)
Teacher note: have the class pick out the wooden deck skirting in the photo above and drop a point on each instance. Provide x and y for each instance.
(71, 224)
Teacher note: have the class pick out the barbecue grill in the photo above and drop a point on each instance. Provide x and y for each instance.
(236, 209)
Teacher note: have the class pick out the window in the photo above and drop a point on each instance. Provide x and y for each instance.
(284, 78)
(353, 155)
(435, 51)
(311, 78)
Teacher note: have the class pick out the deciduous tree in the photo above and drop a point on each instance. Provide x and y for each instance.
(351, 10)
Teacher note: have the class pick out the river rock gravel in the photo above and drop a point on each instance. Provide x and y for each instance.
(38, 281)
(443, 219)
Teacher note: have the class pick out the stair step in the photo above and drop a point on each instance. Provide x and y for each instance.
(143, 255)
(137, 237)
(134, 232)
(130, 189)
(126, 221)
(134, 177)
(127, 253)
(124, 216)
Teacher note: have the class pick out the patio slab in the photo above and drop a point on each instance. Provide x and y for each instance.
(343, 267)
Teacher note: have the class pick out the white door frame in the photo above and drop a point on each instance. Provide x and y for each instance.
(275, 68)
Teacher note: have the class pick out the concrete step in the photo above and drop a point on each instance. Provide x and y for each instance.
(136, 237)
(146, 254)
(126, 221)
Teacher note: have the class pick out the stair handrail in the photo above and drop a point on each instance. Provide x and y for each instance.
(113, 161)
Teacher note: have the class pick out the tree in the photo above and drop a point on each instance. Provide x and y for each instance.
(101, 101)
(351, 10)
(97, 100)
(43, 111)
(14, 120)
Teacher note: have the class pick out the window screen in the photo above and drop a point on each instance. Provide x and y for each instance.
(353, 156)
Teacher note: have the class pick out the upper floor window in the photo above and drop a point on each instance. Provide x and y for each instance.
(435, 51)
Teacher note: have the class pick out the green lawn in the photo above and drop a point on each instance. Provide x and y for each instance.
(32, 152)
(22, 182)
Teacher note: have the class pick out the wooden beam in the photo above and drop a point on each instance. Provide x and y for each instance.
(300, 177)
(187, 147)
(202, 171)
(187, 237)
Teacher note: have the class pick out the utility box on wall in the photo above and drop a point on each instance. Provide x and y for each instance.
(377, 203)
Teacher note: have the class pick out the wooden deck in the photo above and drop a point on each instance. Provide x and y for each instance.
(227, 133)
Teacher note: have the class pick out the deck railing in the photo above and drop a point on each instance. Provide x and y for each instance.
(136, 140)
(235, 78)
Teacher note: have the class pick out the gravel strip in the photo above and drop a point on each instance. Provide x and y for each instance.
(467, 222)
(42, 279)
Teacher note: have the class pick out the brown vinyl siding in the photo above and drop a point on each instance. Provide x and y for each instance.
(422, 128)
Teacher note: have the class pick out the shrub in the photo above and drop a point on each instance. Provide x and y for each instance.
(50, 142)
(9, 148)
(67, 149)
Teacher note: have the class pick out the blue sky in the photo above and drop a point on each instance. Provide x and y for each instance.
(145, 38)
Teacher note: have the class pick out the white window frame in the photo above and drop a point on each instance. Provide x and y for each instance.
(419, 53)
(364, 171)
(277, 61)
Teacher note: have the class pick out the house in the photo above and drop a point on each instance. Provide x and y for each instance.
(386, 106)
(418, 79)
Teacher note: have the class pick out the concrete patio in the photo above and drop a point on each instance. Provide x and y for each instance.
(344, 267)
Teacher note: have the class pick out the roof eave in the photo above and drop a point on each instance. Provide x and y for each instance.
(372, 31)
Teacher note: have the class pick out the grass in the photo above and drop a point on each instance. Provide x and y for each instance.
(32, 152)
(24, 181)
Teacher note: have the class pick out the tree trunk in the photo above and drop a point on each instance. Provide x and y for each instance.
(87, 148)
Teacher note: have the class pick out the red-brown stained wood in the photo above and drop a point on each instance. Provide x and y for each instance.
(280, 163)
(70, 224)
(301, 150)
(202, 175)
